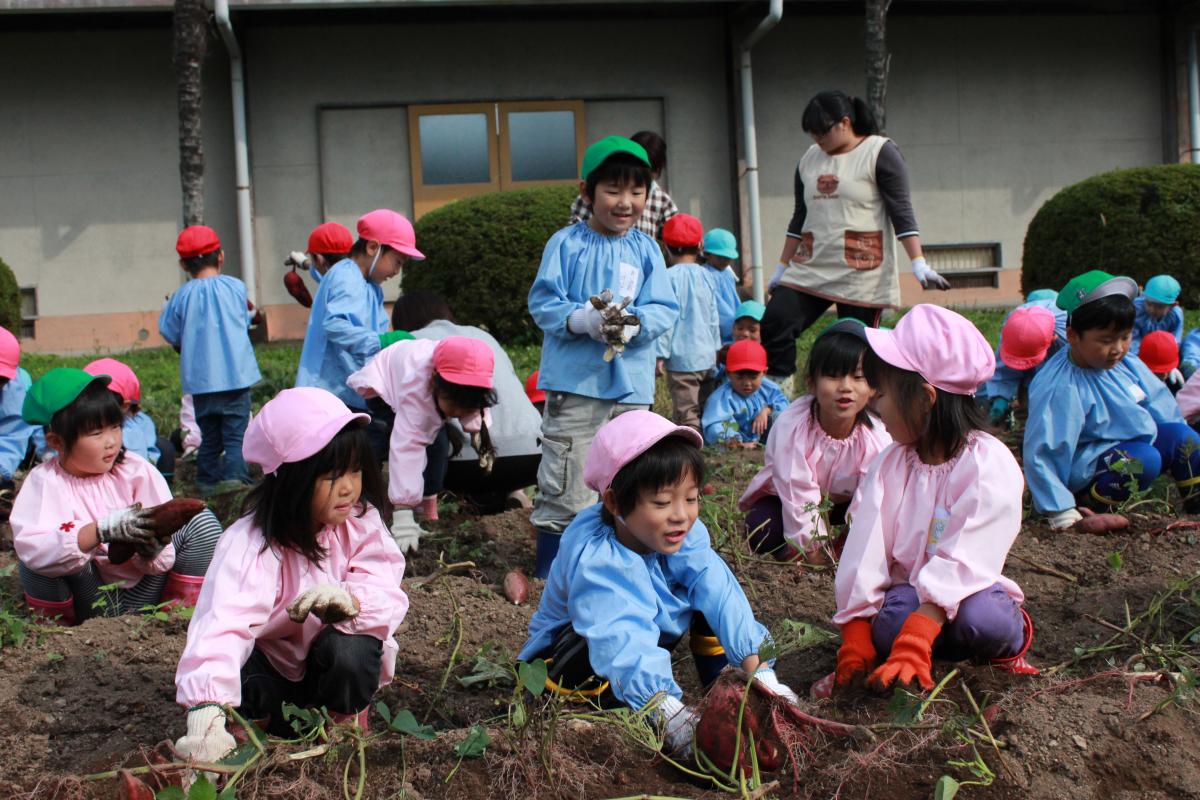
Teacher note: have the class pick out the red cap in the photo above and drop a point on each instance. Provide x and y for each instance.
(683, 230)
(465, 361)
(196, 240)
(1026, 337)
(532, 391)
(330, 237)
(746, 354)
(1159, 352)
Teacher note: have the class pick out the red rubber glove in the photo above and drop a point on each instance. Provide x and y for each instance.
(856, 656)
(912, 655)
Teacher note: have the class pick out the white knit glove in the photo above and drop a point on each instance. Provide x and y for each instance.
(206, 741)
(405, 530)
(130, 525)
(297, 259)
(926, 275)
(777, 277)
(767, 677)
(1063, 519)
(587, 320)
(680, 725)
(1175, 380)
(330, 604)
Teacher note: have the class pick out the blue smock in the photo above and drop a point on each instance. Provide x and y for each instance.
(1006, 381)
(208, 321)
(139, 435)
(1189, 353)
(692, 344)
(15, 432)
(343, 331)
(1172, 323)
(725, 289)
(726, 408)
(1077, 413)
(577, 264)
(626, 605)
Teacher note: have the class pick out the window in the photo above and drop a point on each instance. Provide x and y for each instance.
(966, 266)
(29, 311)
(470, 149)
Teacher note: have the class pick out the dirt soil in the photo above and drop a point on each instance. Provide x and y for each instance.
(89, 699)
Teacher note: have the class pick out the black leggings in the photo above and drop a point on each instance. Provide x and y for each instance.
(790, 313)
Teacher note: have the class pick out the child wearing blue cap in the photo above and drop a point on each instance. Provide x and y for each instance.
(602, 297)
(720, 252)
(1158, 310)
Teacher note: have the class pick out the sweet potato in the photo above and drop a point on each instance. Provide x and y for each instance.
(132, 788)
(516, 586)
(1102, 523)
(296, 288)
(165, 519)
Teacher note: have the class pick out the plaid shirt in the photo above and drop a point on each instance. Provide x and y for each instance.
(659, 208)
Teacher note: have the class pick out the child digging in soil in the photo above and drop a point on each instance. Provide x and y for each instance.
(75, 508)
(933, 520)
(304, 595)
(138, 433)
(820, 447)
(633, 572)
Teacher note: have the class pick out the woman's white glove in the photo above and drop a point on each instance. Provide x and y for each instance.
(926, 275)
(767, 677)
(330, 604)
(587, 320)
(1063, 519)
(130, 525)
(777, 277)
(679, 723)
(206, 741)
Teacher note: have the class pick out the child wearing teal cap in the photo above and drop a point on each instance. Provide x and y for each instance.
(720, 253)
(1158, 310)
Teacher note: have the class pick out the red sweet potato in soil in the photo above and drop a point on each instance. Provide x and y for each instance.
(165, 519)
(1102, 523)
(132, 788)
(516, 586)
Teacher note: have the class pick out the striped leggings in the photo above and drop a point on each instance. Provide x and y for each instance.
(194, 546)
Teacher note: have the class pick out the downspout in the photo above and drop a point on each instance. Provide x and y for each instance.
(241, 155)
(750, 144)
(1194, 96)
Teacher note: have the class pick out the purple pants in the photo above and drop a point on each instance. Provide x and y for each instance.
(988, 625)
(764, 527)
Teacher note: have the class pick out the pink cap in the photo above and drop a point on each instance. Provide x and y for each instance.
(941, 346)
(465, 361)
(625, 438)
(10, 354)
(295, 424)
(1026, 337)
(124, 382)
(387, 227)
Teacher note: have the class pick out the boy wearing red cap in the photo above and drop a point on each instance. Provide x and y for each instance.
(329, 243)
(1160, 353)
(742, 409)
(688, 352)
(207, 322)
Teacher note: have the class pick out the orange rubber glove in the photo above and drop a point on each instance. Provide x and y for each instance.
(912, 655)
(856, 656)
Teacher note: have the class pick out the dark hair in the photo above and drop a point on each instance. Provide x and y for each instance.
(836, 355)
(827, 109)
(621, 168)
(96, 407)
(655, 147)
(359, 248)
(414, 310)
(331, 258)
(683, 251)
(949, 422)
(1114, 311)
(475, 397)
(666, 463)
(197, 263)
(281, 503)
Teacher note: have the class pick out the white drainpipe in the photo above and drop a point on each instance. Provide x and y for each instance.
(241, 155)
(1194, 95)
(750, 145)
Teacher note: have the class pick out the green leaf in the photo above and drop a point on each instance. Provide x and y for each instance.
(202, 790)
(945, 788)
(54, 657)
(487, 671)
(1115, 560)
(475, 743)
(905, 707)
(384, 711)
(301, 719)
(533, 676)
(404, 722)
(228, 793)
(243, 752)
(171, 793)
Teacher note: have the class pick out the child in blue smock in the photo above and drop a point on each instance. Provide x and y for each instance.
(1189, 353)
(1158, 310)
(720, 252)
(207, 322)
(584, 378)
(1027, 339)
(742, 408)
(689, 349)
(634, 573)
(20, 442)
(1095, 409)
(138, 433)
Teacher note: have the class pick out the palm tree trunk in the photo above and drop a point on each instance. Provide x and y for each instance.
(191, 42)
(878, 60)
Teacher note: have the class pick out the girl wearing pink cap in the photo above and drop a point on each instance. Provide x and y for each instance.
(304, 595)
(425, 384)
(934, 518)
(138, 433)
(20, 442)
(819, 447)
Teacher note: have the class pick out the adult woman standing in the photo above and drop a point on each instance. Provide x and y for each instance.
(852, 204)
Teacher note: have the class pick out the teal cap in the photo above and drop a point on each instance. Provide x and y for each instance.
(1092, 286)
(750, 308)
(1162, 289)
(598, 152)
(720, 242)
(1041, 294)
(54, 391)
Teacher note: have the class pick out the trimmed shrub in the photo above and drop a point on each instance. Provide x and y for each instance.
(1138, 222)
(483, 253)
(10, 300)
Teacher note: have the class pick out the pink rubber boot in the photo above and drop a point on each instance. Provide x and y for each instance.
(57, 612)
(182, 590)
(429, 507)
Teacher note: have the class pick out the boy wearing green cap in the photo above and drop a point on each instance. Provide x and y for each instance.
(1098, 418)
(602, 298)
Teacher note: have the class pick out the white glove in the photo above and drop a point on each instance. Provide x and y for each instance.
(587, 320)
(297, 259)
(767, 677)
(406, 531)
(206, 741)
(927, 276)
(130, 525)
(1175, 379)
(629, 331)
(777, 277)
(1063, 519)
(680, 725)
(330, 604)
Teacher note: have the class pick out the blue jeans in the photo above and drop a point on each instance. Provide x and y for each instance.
(222, 417)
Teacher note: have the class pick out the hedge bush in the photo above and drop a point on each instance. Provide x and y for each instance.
(1139, 222)
(482, 254)
(10, 300)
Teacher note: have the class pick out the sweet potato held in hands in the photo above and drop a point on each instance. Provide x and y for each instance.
(165, 519)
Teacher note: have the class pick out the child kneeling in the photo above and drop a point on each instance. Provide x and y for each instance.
(634, 572)
(304, 592)
(743, 408)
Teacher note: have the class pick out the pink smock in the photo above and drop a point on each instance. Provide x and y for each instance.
(944, 529)
(246, 593)
(802, 463)
(1189, 397)
(53, 505)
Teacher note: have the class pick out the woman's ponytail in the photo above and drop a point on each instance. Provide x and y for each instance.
(862, 119)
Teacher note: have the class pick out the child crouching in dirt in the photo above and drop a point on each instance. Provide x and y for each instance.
(934, 518)
(820, 447)
(138, 433)
(304, 592)
(634, 571)
(94, 496)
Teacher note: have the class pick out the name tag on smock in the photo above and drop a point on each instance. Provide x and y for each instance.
(631, 281)
(1136, 392)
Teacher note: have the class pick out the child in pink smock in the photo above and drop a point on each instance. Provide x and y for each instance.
(819, 447)
(304, 594)
(92, 495)
(426, 383)
(934, 518)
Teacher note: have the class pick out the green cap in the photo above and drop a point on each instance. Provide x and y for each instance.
(850, 325)
(750, 308)
(391, 337)
(1093, 285)
(599, 152)
(54, 391)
